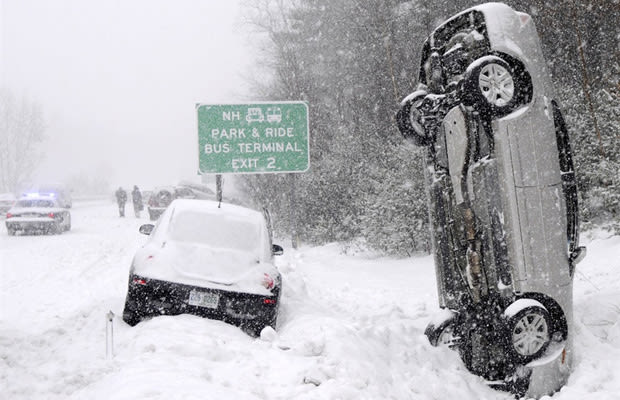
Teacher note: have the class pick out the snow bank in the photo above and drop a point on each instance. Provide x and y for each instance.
(351, 327)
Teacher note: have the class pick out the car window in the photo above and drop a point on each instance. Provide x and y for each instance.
(35, 203)
(184, 193)
(220, 231)
(163, 197)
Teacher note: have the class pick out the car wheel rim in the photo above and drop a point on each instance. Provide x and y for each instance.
(496, 84)
(530, 334)
(446, 338)
(414, 119)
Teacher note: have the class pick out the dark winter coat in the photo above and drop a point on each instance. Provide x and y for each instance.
(121, 196)
(137, 198)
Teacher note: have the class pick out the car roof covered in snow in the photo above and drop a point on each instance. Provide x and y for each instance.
(200, 241)
(215, 207)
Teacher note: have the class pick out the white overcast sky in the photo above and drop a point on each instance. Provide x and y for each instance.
(118, 80)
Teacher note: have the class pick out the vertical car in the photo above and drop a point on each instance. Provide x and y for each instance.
(503, 199)
(209, 259)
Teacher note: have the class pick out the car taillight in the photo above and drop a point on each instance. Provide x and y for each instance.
(51, 215)
(269, 301)
(9, 215)
(268, 281)
(139, 281)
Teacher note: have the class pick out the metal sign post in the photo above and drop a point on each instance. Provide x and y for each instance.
(257, 138)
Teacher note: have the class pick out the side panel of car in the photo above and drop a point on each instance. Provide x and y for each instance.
(535, 203)
(530, 135)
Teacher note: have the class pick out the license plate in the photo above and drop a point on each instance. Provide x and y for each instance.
(203, 299)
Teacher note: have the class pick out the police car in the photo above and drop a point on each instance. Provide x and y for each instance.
(36, 212)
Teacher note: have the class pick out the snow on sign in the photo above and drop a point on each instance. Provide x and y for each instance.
(270, 137)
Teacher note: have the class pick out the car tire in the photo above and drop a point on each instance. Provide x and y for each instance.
(11, 231)
(256, 329)
(528, 331)
(443, 334)
(495, 87)
(253, 330)
(55, 229)
(130, 316)
(409, 119)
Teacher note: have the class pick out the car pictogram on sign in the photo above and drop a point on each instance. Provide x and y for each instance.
(255, 115)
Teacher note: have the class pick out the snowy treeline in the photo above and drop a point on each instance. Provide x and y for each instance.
(353, 61)
(21, 132)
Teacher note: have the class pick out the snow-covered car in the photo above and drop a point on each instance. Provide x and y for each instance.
(503, 199)
(6, 202)
(209, 259)
(37, 214)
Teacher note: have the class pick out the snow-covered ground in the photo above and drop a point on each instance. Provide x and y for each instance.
(351, 327)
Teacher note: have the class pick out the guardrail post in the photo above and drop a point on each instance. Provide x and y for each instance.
(109, 335)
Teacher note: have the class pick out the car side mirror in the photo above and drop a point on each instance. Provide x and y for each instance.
(277, 250)
(146, 229)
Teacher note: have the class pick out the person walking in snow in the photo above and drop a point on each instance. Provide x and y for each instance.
(136, 197)
(121, 199)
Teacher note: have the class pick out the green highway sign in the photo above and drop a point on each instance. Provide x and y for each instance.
(270, 137)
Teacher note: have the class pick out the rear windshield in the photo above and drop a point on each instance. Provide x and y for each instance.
(458, 41)
(163, 197)
(184, 193)
(35, 203)
(220, 231)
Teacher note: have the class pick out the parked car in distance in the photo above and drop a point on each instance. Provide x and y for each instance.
(146, 196)
(161, 198)
(503, 199)
(6, 202)
(40, 213)
(210, 259)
